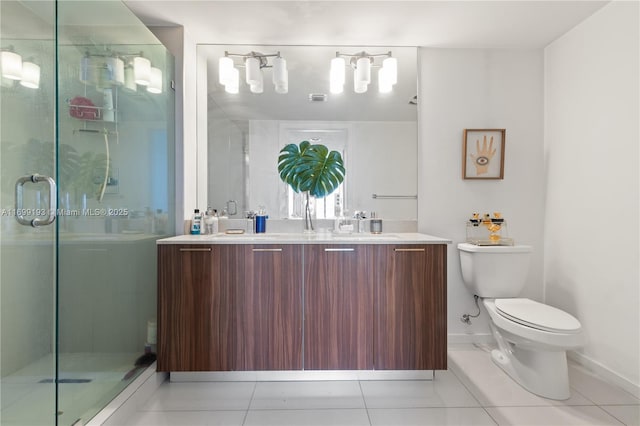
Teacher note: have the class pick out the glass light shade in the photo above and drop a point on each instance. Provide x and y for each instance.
(225, 70)
(363, 70)
(155, 83)
(141, 70)
(384, 82)
(358, 86)
(284, 87)
(336, 75)
(280, 75)
(30, 75)
(252, 71)
(115, 66)
(391, 65)
(257, 87)
(11, 64)
(129, 80)
(234, 84)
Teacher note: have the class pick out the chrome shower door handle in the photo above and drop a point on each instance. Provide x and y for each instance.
(20, 210)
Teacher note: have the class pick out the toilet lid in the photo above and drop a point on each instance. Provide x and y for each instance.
(537, 315)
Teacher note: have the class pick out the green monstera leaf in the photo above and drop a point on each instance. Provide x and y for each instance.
(311, 168)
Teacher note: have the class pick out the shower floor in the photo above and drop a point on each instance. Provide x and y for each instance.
(88, 381)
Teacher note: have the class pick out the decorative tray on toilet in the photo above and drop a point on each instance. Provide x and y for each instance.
(488, 230)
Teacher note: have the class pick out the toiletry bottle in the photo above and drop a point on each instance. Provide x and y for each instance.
(261, 220)
(196, 222)
(376, 224)
(211, 221)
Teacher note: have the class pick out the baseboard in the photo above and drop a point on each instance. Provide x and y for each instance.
(123, 406)
(480, 338)
(604, 372)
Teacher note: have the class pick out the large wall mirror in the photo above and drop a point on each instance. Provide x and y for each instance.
(375, 131)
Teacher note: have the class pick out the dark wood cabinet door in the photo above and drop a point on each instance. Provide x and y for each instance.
(411, 318)
(269, 308)
(338, 299)
(195, 322)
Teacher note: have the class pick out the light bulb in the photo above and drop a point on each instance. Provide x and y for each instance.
(280, 76)
(225, 70)
(252, 70)
(391, 65)
(155, 81)
(384, 83)
(11, 64)
(116, 70)
(142, 70)
(363, 70)
(30, 75)
(358, 86)
(258, 86)
(336, 75)
(129, 80)
(233, 87)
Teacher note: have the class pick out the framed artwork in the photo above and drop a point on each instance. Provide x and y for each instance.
(483, 154)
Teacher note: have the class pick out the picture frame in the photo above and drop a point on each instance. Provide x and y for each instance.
(483, 154)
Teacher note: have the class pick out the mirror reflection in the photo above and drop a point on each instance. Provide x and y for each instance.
(287, 98)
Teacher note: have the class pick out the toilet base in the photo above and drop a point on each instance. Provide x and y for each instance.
(543, 373)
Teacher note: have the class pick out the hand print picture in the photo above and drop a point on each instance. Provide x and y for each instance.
(483, 154)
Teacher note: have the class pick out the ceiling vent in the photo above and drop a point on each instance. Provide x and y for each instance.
(317, 97)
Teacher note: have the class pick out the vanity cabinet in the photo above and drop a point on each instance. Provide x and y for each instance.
(196, 328)
(411, 317)
(269, 307)
(338, 301)
(257, 307)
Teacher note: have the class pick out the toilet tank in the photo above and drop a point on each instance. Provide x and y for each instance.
(494, 271)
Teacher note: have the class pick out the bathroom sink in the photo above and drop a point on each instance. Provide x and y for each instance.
(364, 237)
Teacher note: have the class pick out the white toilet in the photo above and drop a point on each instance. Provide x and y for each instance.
(532, 337)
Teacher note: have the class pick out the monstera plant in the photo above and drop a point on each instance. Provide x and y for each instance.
(312, 169)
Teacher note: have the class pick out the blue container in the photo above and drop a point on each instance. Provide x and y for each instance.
(261, 224)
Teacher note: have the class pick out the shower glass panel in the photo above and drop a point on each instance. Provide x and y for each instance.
(78, 296)
(115, 141)
(27, 254)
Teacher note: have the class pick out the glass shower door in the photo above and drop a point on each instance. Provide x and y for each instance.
(27, 253)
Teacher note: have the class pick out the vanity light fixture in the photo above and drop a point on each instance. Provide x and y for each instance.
(120, 69)
(155, 81)
(253, 62)
(11, 64)
(141, 70)
(30, 75)
(362, 63)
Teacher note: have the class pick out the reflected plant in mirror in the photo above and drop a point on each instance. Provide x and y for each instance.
(312, 169)
(375, 131)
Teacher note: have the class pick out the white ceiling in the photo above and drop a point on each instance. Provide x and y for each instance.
(500, 24)
(444, 24)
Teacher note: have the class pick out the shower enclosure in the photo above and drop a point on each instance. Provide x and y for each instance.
(86, 187)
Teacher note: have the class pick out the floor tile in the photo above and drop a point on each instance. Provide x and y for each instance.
(627, 414)
(187, 418)
(493, 387)
(329, 417)
(201, 396)
(565, 416)
(445, 391)
(597, 390)
(307, 395)
(430, 417)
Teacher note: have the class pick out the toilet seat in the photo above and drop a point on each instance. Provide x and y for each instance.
(537, 315)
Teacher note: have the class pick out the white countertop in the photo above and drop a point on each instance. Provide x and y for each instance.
(300, 238)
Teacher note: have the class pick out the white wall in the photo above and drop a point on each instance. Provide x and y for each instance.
(466, 89)
(591, 219)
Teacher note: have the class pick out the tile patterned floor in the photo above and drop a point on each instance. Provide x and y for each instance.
(472, 392)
